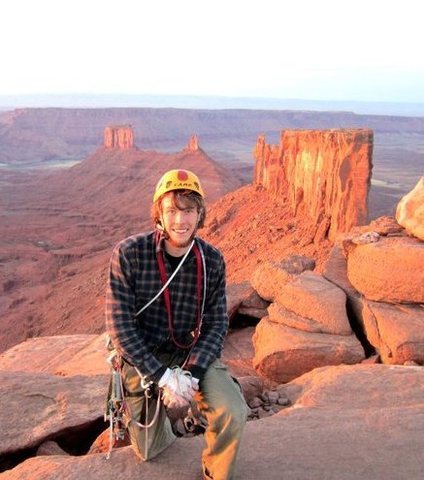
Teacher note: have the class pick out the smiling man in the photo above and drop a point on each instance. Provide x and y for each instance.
(167, 319)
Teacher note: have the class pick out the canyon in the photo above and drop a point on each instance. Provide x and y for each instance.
(40, 137)
(315, 309)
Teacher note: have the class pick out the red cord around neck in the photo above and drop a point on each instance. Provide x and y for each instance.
(167, 296)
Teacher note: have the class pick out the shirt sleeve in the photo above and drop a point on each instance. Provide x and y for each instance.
(214, 326)
(120, 312)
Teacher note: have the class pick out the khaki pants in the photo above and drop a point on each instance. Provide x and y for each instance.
(220, 401)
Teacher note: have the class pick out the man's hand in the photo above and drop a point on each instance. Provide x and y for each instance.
(172, 400)
(178, 387)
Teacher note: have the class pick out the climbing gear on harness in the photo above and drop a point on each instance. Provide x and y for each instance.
(178, 180)
(194, 423)
(117, 411)
(148, 394)
(115, 403)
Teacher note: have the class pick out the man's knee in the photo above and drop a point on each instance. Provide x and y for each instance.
(237, 414)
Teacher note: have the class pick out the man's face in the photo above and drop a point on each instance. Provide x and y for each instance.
(180, 221)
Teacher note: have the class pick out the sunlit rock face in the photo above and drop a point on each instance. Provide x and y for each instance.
(410, 210)
(119, 136)
(325, 172)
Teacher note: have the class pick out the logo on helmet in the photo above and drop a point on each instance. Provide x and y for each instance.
(182, 175)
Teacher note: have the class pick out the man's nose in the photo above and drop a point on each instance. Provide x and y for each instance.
(180, 216)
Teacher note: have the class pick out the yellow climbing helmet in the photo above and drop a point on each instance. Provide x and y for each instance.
(178, 180)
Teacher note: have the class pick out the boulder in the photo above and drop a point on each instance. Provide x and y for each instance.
(313, 297)
(253, 306)
(238, 352)
(390, 270)
(279, 314)
(35, 407)
(283, 353)
(385, 225)
(396, 331)
(102, 442)
(345, 385)
(335, 271)
(58, 355)
(270, 276)
(50, 448)
(236, 293)
(252, 387)
(410, 210)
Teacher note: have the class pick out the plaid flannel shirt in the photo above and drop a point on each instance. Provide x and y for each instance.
(134, 279)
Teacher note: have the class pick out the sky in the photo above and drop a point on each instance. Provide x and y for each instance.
(366, 50)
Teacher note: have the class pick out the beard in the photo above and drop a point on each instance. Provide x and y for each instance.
(177, 243)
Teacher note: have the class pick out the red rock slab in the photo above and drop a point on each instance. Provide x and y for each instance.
(236, 293)
(313, 297)
(270, 276)
(358, 387)
(283, 353)
(34, 407)
(238, 352)
(396, 331)
(83, 354)
(390, 270)
(347, 434)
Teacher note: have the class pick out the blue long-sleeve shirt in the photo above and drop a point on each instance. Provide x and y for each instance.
(134, 279)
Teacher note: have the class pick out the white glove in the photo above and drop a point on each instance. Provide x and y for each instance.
(178, 387)
(195, 383)
(172, 400)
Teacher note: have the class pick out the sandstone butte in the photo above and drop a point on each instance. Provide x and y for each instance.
(327, 170)
(332, 395)
(119, 136)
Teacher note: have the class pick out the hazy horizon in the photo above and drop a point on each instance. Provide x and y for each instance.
(8, 102)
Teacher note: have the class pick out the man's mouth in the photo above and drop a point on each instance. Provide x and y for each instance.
(180, 231)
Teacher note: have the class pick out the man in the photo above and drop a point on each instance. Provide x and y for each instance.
(183, 327)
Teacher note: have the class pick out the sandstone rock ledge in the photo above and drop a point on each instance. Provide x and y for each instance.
(347, 422)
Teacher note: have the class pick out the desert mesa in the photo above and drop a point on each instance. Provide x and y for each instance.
(324, 336)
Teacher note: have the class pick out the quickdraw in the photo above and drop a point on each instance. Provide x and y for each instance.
(117, 411)
(115, 407)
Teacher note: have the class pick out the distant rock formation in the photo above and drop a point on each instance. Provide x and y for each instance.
(327, 172)
(193, 144)
(119, 136)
